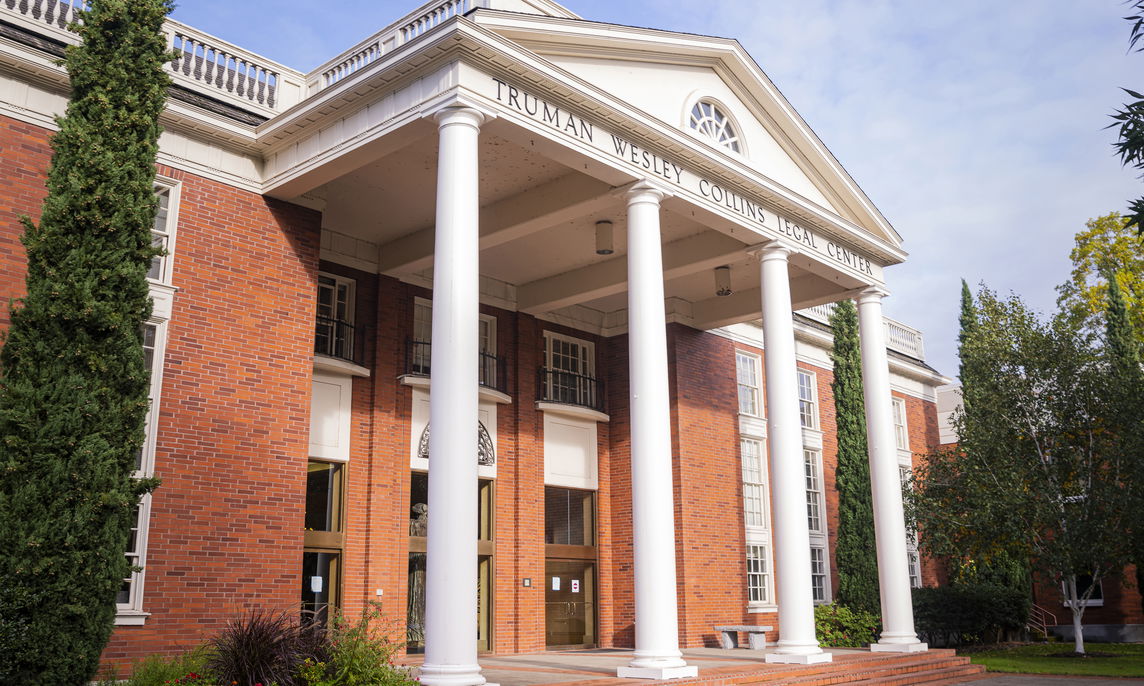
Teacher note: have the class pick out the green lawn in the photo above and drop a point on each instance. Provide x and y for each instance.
(1124, 659)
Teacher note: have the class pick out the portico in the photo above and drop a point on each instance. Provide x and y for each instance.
(545, 227)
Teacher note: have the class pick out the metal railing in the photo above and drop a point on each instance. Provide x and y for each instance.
(334, 338)
(1040, 620)
(490, 368)
(567, 388)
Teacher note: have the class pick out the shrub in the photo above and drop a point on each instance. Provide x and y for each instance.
(154, 670)
(839, 626)
(360, 653)
(262, 647)
(969, 613)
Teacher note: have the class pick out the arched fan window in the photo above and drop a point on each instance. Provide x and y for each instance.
(709, 120)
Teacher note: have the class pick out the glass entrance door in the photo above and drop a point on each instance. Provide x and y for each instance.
(570, 603)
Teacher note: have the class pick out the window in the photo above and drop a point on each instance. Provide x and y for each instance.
(323, 539)
(569, 374)
(420, 348)
(710, 121)
(129, 599)
(754, 483)
(813, 490)
(807, 404)
(758, 574)
(818, 573)
(901, 435)
(915, 568)
(334, 333)
(162, 234)
(569, 516)
(1083, 583)
(749, 379)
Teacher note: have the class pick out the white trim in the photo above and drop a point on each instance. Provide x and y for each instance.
(573, 411)
(333, 365)
(486, 394)
(700, 96)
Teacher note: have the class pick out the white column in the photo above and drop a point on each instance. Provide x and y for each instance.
(898, 634)
(657, 653)
(797, 642)
(451, 565)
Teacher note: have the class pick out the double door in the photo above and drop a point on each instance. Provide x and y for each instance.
(570, 603)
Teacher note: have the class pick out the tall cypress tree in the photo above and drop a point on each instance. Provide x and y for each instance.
(968, 321)
(1123, 349)
(855, 548)
(74, 391)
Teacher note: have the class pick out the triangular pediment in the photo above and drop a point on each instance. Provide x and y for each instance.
(663, 74)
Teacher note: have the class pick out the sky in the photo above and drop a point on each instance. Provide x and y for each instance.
(977, 127)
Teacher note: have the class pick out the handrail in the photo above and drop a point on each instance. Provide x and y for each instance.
(568, 388)
(490, 368)
(334, 338)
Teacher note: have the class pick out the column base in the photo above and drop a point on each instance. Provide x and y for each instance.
(451, 675)
(898, 647)
(657, 672)
(799, 658)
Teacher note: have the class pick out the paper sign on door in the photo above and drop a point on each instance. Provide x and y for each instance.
(315, 584)
(556, 583)
(575, 585)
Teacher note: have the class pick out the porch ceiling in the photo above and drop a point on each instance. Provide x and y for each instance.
(539, 209)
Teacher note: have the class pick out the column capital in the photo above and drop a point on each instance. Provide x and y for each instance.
(645, 191)
(771, 250)
(458, 110)
(871, 294)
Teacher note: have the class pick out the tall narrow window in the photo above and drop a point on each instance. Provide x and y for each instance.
(818, 573)
(807, 400)
(758, 574)
(161, 235)
(322, 555)
(334, 333)
(569, 374)
(913, 556)
(754, 483)
(419, 353)
(750, 382)
(813, 490)
(901, 435)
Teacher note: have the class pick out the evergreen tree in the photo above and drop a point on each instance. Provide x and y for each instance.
(1123, 348)
(855, 548)
(74, 392)
(968, 321)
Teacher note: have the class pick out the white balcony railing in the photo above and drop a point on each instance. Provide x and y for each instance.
(417, 23)
(203, 63)
(899, 337)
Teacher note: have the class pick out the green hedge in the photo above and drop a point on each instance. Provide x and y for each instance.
(838, 626)
(969, 613)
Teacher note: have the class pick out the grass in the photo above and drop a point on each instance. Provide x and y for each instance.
(1123, 659)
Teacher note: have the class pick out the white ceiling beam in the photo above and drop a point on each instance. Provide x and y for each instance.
(682, 257)
(544, 206)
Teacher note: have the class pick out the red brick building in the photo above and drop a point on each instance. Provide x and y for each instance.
(611, 248)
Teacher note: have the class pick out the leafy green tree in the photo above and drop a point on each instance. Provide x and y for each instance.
(1106, 246)
(1130, 121)
(1043, 470)
(855, 549)
(74, 392)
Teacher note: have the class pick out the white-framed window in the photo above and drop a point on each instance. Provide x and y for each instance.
(807, 400)
(812, 462)
(901, 432)
(420, 352)
(1083, 582)
(570, 371)
(754, 482)
(334, 333)
(913, 556)
(709, 120)
(163, 230)
(758, 574)
(915, 568)
(818, 573)
(749, 378)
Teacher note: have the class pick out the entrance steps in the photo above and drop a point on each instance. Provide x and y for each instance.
(935, 667)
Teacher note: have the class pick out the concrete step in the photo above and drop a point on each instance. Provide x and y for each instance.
(898, 670)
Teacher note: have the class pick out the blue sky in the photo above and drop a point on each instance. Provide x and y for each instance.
(976, 126)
